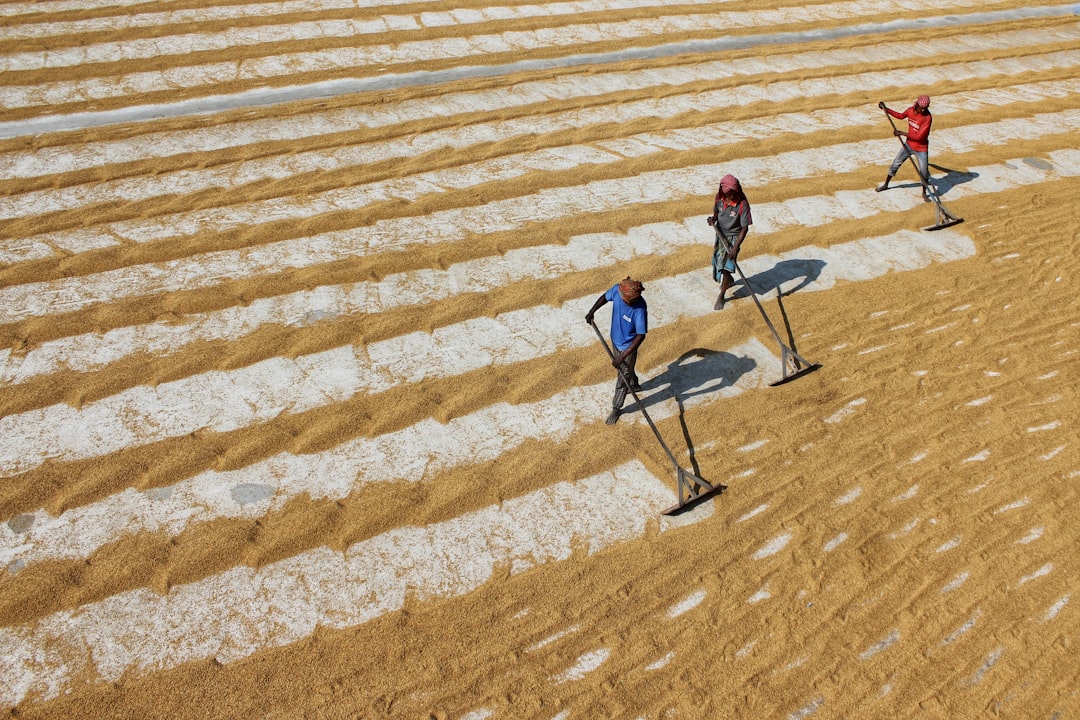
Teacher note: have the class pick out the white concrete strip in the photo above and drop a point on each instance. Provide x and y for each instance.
(1033, 535)
(216, 219)
(187, 43)
(458, 49)
(228, 400)
(1054, 609)
(232, 615)
(880, 645)
(584, 665)
(266, 95)
(93, 351)
(686, 604)
(132, 21)
(50, 160)
(552, 638)
(14, 9)
(1044, 570)
(179, 44)
(412, 454)
(762, 594)
(772, 547)
(656, 665)
(231, 175)
(835, 542)
(21, 302)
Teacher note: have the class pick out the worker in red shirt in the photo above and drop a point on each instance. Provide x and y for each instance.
(919, 120)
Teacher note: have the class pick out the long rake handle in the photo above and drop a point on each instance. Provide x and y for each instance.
(723, 242)
(637, 399)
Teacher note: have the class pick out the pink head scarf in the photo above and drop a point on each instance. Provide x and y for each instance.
(729, 183)
(923, 100)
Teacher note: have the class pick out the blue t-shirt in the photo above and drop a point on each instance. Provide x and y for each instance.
(627, 321)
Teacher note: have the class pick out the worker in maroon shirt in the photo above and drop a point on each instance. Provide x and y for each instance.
(731, 219)
(919, 120)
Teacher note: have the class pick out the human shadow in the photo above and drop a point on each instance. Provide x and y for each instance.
(808, 270)
(696, 372)
(951, 178)
(942, 184)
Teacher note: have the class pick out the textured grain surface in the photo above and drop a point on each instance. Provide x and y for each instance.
(299, 416)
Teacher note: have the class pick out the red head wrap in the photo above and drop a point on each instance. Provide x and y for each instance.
(630, 289)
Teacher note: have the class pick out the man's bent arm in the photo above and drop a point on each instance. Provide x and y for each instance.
(600, 302)
(638, 339)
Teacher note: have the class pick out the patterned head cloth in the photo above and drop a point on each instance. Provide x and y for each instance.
(729, 183)
(923, 100)
(630, 289)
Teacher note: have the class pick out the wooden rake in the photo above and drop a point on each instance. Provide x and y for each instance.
(793, 365)
(691, 488)
(944, 217)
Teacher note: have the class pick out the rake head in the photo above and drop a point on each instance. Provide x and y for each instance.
(941, 225)
(692, 490)
(788, 377)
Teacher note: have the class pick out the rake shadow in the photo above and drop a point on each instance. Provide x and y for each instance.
(942, 183)
(696, 372)
(785, 271)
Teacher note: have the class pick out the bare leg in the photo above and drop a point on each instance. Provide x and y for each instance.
(725, 283)
(884, 185)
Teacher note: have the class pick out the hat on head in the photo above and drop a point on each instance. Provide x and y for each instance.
(923, 100)
(630, 289)
(729, 183)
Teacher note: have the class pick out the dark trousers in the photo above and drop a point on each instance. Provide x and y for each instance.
(627, 368)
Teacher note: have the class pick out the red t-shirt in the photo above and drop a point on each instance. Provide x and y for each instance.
(918, 127)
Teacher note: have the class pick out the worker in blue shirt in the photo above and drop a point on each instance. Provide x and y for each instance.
(629, 324)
